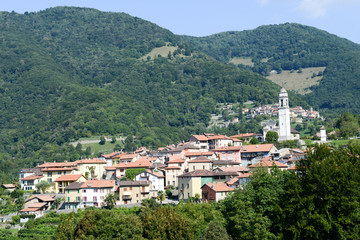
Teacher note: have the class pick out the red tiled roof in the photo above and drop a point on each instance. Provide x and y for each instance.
(9, 185)
(44, 198)
(29, 209)
(110, 155)
(233, 180)
(91, 161)
(154, 173)
(68, 178)
(37, 205)
(176, 160)
(218, 137)
(244, 135)
(245, 175)
(236, 139)
(110, 168)
(128, 156)
(57, 164)
(219, 187)
(200, 137)
(60, 169)
(142, 162)
(257, 148)
(267, 163)
(172, 167)
(201, 159)
(191, 154)
(31, 177)
(198, 173)
(98, 184)
(234, 169)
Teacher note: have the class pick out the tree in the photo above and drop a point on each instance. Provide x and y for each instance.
(79, 148)
(113, 140)
(110, 200)
(131, 173)
(92, 171)
(108, 224)
(323, 198)
(42, 186)
(272, 137)
(161, 196)
(88, 151)
(164, 223)
(102, 140)
(58, 201)
(215, 230)
(66, 228)
(254, 140)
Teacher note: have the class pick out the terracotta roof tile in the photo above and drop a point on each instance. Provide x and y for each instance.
(257, 148)
(234, 169)
(9, 185)
(219, 187)
(68, 177)
(91, 161)
(172, 167)
(98, 184)
(192, 154)
(57, 164)
(201, 159)
(60, 169)
(143, 162)
(31, 177)
(134, 183)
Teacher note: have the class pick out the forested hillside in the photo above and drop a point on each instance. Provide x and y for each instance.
(69, 72)
(292, 47)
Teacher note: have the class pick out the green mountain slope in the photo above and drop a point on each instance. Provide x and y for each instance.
(292, 47)
(67, 73)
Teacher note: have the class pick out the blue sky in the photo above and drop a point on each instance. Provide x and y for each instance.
(206, 17)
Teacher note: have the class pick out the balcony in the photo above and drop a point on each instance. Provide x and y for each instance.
(126, 197)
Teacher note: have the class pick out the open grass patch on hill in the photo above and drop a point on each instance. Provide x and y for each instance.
(298, 80)
(242, 60)
(162, 51)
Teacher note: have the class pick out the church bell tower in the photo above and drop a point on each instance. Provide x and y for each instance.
(284, 116)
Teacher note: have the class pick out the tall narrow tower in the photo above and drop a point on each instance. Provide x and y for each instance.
(284, 116)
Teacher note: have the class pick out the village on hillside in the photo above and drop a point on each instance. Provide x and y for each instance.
(205, 168)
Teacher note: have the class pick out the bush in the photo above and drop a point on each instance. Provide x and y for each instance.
(15, 219)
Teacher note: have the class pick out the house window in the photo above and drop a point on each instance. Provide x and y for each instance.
(94, 199)
(137, 195)
(125, 189)
(59, 173)
(68, 199)
(95, 190)
(64, 173)
(84, 199)
(84, 191)
(188, 185)
(49, 174)
(49, 179)
(130, 188)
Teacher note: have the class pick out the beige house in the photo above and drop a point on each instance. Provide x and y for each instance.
(200, 163)
(133, 191)
(51, 174)
(190, 183)
(73, 195)
(171, 175)
(94, 168)
(65, 180)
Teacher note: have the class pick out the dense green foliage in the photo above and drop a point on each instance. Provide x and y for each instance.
(293, 46)
(70, 72)
(319, 201)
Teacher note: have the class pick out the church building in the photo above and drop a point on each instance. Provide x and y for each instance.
(284, 129)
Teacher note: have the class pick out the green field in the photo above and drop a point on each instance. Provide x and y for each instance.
(298, 81)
